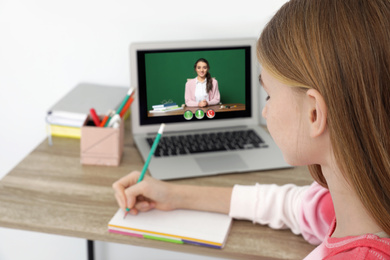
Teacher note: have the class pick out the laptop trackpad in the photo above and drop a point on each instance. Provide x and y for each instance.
(221, 163)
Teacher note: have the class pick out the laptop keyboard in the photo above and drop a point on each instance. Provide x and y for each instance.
(207, 142)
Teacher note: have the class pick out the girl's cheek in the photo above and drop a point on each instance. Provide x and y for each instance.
(264, 112)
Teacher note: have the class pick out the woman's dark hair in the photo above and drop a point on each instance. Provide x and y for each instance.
(209, 85)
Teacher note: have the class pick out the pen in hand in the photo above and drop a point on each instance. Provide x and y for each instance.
(152, 150)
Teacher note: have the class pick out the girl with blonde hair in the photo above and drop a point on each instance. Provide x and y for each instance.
(326, 70)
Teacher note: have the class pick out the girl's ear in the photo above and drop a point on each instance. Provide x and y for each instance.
(317, 113)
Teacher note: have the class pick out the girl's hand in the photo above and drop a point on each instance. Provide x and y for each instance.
(151, 193)
(145, 195)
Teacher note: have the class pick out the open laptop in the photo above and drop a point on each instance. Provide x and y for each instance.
(160, 70)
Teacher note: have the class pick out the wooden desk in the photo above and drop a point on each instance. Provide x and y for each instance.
(217, 108)
(51, 192)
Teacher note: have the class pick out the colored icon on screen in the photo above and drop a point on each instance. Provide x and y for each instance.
(210, 113)
(199, 114)
(188, 115)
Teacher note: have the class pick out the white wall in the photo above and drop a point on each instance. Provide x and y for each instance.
(48, 46)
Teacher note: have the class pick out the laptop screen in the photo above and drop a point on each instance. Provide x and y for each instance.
(165, 74)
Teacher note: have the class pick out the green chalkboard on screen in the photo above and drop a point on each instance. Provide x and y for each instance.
(167, 74)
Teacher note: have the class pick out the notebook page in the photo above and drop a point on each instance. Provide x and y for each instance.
(182, 224)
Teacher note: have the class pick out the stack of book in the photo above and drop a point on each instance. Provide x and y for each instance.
(161, 108)
(67, 116)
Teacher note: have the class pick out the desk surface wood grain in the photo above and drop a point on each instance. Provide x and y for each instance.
(51, 192)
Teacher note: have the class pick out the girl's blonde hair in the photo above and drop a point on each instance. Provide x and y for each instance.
(342, 49)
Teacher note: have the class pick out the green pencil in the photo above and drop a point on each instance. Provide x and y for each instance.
(146, 165)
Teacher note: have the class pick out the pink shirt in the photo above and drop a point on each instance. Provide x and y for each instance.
(189, 95)
(306, 210)
(367, 247)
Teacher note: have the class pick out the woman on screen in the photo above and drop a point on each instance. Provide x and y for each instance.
(203, 90)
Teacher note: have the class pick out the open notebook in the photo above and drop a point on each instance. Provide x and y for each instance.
(177, 226)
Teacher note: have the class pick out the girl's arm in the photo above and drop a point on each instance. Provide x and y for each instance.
(152, 193)
(306, 210)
